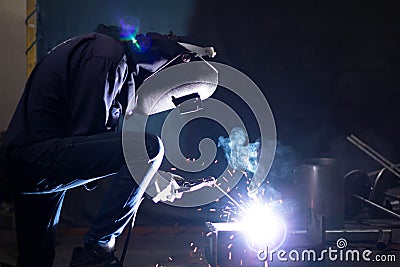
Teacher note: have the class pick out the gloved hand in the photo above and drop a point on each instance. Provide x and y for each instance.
(178, 185)
(170, 192)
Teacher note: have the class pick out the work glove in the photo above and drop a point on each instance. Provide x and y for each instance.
(171, 191)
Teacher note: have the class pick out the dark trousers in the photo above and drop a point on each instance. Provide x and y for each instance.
(41, 174)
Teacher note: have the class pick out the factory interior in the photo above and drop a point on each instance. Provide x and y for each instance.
(313, 178)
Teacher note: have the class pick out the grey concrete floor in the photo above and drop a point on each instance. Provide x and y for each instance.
(174, 246)
(149, 247)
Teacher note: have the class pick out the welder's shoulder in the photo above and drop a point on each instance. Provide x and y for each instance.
(107, 47)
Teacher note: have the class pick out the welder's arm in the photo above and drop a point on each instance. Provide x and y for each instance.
(93, 95)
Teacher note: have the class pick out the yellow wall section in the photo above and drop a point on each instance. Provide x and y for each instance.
(30, 35)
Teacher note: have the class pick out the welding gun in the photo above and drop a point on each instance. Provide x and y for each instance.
(177, 186)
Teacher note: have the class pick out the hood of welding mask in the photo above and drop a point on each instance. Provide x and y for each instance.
(183, 85)
(177, 75)
(183, 81)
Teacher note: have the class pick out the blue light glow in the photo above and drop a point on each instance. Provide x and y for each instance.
(130, 28)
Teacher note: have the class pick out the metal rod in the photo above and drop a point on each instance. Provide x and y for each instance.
(369, 202)
(372, 173)
(371, 149)
(226, 194)
(373, 154)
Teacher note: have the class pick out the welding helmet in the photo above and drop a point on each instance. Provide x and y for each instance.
(182, 81)
(176, 72)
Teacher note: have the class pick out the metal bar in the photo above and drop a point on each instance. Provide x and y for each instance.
(373, 154)
(371, 149)
(372, 173)
(356, 235)
(369, 202)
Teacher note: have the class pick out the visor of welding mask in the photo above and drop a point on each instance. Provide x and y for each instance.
(182, 81)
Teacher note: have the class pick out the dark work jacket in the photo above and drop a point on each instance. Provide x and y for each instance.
(65, 94)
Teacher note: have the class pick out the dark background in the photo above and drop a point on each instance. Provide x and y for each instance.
(327, 68)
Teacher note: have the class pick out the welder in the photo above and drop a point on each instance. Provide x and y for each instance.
(66, 132)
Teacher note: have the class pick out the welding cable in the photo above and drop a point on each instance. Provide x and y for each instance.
(126, 243)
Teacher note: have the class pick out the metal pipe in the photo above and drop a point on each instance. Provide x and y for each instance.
(356, 235)
(383, 240)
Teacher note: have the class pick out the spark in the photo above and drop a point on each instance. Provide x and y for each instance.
(226, 194)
